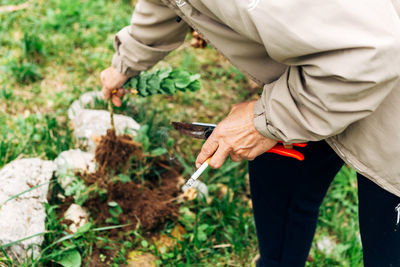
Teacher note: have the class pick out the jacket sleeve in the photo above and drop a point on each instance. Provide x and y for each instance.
(343, 59)
(153, 33)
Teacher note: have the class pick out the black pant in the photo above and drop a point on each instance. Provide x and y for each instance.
(287, 194)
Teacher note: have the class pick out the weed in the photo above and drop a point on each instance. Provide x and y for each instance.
(24, 72)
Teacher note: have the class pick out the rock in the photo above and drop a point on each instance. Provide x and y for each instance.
(89, 122)
(71, 161)
(24, 215)
(85, 101)
(77, 215)
(326, 245)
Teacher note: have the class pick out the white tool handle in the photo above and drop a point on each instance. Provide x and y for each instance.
(195, 175)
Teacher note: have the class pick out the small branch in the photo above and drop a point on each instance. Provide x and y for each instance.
(12, 8)
(111, 110)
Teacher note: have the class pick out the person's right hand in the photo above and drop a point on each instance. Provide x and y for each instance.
(112, 80)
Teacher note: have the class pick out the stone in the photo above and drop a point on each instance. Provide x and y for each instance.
(89, 122)
(23, 214)
(77, 215)
(71, 161)
(326, 245)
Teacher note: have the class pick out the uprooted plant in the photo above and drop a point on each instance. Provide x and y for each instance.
(121, 160)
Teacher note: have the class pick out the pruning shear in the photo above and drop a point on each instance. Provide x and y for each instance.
(204, 130)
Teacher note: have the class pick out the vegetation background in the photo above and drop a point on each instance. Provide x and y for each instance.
(53, 51)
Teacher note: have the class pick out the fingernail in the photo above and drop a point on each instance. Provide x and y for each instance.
(198, 165)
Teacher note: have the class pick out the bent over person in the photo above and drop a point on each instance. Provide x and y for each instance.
(330, 76)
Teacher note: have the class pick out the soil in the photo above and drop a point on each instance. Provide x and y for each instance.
(115, 151)
(147, 204)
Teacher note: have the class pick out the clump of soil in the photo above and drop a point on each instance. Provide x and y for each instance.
(114, 151)
(149, 203)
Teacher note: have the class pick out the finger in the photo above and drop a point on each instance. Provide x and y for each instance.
(102, 76)
(208, 149)
(106, 93)
(120, 92)
(116, 100)
(219, 157)
(235, 157)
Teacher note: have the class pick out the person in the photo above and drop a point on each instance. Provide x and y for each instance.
(330, 76)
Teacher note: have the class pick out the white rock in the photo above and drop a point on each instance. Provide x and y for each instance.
(24, 215)
(78, 215)
(88, 122)
(71, 161)
(326, 245)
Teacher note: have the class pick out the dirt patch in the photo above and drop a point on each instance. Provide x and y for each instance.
(147, 204)
(115, 151)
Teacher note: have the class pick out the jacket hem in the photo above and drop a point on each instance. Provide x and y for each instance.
(348, 157)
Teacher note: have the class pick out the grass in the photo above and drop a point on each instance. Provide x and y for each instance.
(53, 51)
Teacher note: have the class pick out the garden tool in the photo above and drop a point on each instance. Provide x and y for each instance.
(204, 130)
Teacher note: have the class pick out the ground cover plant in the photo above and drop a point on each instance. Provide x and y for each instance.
(52, 52)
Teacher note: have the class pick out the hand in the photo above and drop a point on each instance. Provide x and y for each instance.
(112, 80)
(235, 136)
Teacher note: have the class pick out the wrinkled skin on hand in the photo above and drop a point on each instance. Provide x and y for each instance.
(235, 136)
(112, 80)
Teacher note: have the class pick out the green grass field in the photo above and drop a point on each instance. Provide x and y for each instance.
(54, 50)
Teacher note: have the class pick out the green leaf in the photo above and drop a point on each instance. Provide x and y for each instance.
(182, 80)
(70, 258)
(112, 204)
(153, 84)
(131, 83)
(158, 151)
(84, 228)
(164, 73)
(201, 236)
(168, 85)
(203, 227)
(123, 178)
(142, 84)
(144, 243)
(194, 86)
(194, 77)
(134, 82)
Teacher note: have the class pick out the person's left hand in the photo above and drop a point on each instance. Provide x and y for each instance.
(235, 136)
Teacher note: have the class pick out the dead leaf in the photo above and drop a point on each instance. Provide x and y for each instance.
(190, 194)
(164, 243)
(178, 231)
(141, 259)
(167, 243)
(223, 189)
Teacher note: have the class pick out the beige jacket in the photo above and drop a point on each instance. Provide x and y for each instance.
(330, 69)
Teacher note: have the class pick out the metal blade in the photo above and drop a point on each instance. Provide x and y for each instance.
(193, 130)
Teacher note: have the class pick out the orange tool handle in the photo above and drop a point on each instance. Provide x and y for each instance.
(281, 150)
